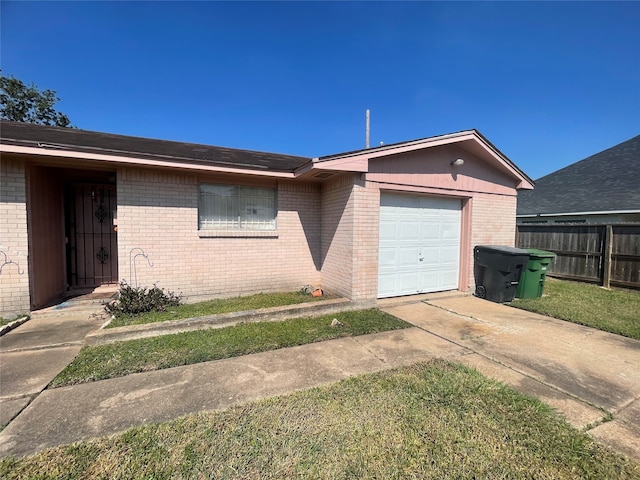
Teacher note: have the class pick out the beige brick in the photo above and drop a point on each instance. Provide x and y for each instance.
(14, 276)
(208, 267)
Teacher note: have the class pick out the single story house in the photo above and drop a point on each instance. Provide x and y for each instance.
(80, 209)
(588, 214)
(602, 188)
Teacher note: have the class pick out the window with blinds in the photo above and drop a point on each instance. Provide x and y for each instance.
(234, 207)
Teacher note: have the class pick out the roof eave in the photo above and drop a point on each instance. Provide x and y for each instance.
(569, 214)
(42, 151)
(358, 161)
(396, 148)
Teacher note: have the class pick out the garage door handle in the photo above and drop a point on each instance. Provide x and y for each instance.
(420, 258)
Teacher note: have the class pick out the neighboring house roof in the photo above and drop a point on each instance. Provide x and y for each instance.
(83, 145)
(30, 135)
(606, 182)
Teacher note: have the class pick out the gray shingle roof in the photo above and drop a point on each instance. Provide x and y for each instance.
(605, 182)
(105, 143)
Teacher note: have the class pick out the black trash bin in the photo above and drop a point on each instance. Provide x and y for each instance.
(497, 271)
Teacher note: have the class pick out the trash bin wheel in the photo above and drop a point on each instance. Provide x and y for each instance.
(481, 291)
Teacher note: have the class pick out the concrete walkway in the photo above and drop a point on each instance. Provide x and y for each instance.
(580, 371)
(35, 352)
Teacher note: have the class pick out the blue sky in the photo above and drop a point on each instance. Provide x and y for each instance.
(549, 83)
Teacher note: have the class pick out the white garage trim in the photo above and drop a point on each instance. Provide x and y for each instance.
(419, 248)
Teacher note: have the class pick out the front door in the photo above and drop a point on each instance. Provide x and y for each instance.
(92, 252)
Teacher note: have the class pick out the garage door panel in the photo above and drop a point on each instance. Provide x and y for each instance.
(419, 244)
(430, 231)
(430, 257)
(440, 204)
(407, 257)
(387, 257)
(448, 278)
(388, 230)
(449, 255)
(399, 200)
(408, 232)
(408, 281)
(429, 280)
(450, 231)
(386, 284)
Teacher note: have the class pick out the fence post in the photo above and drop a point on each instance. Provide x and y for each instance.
(608, 249)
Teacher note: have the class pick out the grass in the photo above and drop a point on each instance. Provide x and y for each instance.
(223, 305)
(432, 420)
(615, 311)
(7, 321)
(123, 358)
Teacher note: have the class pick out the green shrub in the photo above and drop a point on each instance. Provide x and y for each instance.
(137, 300)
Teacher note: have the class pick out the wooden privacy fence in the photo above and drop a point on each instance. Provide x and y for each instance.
(606, 254)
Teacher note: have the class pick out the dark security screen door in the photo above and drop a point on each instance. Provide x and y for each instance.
(92, 252)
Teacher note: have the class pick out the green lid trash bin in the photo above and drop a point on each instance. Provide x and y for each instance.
(532, 281)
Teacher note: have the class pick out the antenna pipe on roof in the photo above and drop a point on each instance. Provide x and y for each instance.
(368, 117)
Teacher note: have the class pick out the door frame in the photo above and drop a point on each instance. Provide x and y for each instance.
(81, 249)
(46, 227)
(466, 206)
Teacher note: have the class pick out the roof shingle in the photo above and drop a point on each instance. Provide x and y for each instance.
(26, 134)
(605, 182)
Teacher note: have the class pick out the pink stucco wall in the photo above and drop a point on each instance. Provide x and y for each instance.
(14, 277)
(158, 213)
(432, 168)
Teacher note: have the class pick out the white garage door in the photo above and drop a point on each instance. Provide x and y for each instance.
(419, 244)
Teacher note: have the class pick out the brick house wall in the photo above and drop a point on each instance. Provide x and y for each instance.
(14, 277)
(493, 222)
(158, 213)
(366, 242)
(337, 213)
(327, 233)
(350, 230)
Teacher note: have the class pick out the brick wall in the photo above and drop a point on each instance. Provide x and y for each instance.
(326, 236)
(350, 231)
(337, 235)
(366, 241)
(14, 277)
(493, 222)
(158, 213)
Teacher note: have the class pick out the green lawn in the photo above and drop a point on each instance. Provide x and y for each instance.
(615, 311)
(123, 358)
(223, 305)
(7, 321)
(429, 421)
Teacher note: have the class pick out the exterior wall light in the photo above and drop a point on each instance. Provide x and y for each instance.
(458, 162)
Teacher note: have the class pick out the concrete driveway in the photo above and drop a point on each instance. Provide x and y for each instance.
(584, 373)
